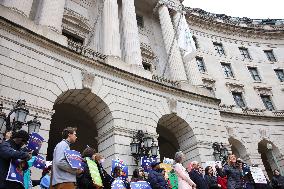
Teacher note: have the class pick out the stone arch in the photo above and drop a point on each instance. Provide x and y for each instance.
(239, 149)
(175, 134)
(86, 111)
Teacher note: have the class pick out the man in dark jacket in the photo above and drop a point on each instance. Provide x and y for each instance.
(197, 177)
(155, 178)
(11, 150)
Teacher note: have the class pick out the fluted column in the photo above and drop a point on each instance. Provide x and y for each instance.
(21, 6)
(130, 34)
(175, 60)
(111, 40)
(51, 14)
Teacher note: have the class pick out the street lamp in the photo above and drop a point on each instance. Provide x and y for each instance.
(20, 114)
(143, 145)
(220, 152)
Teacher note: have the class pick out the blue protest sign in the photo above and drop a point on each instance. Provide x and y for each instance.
(140, 185)
(35, 142)
(74, 158)
(146, 163)
(16, 173)
(118, 184)
(39, 162)
(123, 167)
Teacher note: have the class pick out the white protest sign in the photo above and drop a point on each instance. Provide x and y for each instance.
(258, 175)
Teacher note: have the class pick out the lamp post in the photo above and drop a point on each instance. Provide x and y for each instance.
(143, 145)
(220, 152)
(20, 113)
(270, 149)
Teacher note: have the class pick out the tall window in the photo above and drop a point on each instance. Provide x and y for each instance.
(267, 102)
(219, 48)
(238, 97)
(140, 21)
(244, 53)
(270, 55)
(195, 42)
(254, 74)
(200, 64)
(280, 74)
(227, 70)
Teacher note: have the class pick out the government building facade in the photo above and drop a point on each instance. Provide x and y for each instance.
(112, 68)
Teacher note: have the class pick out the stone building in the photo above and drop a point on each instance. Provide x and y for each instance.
(111, 68)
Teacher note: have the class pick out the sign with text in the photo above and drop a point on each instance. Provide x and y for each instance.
(39, 162)
(140, 185)
(258, 175)
(123, 167)
(16, 171)
(146, 163)
(35, 142)
(118, 184)
(74, 158)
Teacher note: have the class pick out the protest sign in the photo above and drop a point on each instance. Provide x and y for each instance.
(123, 167)
(258, 175)
(118, 184)
(74, 158)
(94, 171)
(146, 163)
(35, 142)
(173, 179)
(140, 185)
(16, 171)
(168, 161)
(39, 162)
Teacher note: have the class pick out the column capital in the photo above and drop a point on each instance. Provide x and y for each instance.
(172, 4)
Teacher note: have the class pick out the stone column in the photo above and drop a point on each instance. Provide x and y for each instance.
(130, 34)
(51, 14)
(174, 56)
(21, 6)
(111, 36)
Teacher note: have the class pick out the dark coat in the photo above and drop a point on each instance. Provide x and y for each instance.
(84, 180)
(234, 176)
(211, 182)
(157, 180)
(198, 179)
(8, 151)
(277, 182)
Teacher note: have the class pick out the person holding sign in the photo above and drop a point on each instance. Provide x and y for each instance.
(63, 175)
(210, 179)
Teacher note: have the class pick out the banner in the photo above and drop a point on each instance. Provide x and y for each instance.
(173, 179)
(74, 158)
(118, 184)
(16, 171)
(146, 163)
(258, 175)
(39, 162)
(123, 167)
(35, 142)
(140, 185)
(94, 171)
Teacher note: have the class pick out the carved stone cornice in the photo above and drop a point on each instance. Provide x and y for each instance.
(208, 82)
(263, 90)
(235, 87)
(171, 4)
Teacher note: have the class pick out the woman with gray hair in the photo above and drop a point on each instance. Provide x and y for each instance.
(184, 182)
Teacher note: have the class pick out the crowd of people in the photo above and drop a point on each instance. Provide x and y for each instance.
(235, 174)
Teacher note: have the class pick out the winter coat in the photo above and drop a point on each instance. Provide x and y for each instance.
(184, 181)
(222, 182)
(211, 182)
(84, 180)
(8, 151)
(198, 179)
(233, 174)
(278, 182)
(157, 180)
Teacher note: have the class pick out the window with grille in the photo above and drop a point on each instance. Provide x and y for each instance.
(140, 21)
(254, 73)
(266, 99)
(227, 70)
(270, 55)
(200, 64)
(219, 48)
(238, 98)
(244, 53)
(280, 74)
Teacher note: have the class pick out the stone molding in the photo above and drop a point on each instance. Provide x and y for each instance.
(264, 90)
(172, 103)
(87, 80)
(235, 87)
(171, 4)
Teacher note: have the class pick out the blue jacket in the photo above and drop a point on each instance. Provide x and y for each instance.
(234, 175)
(198, 179)
(157, 180)
(8, 151)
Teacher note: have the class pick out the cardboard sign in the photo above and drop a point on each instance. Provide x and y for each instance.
(118, 184)
(74, 158)
(39, 162)
(94, 171)
(35, 142)
(16, 171)
(140, 185)
(258, 175)
(146, 163)
(123, 167)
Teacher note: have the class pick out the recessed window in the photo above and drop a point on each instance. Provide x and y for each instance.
(227, 70)
(200, 64)
(195, 42)
(147, 66)
(270, 55)
(280, 74)
(73, 37)
(219, 48)
(140, 21)
(244, 53)
(254, 73)
(266, 99)
(238, 97)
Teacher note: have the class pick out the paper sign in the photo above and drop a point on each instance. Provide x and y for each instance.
(146, 163)
(123, 167)
(35, 142)
(39, 162)
(118, 184)
(74, 158)
(16, 171)
(140, 185)
(258, 175)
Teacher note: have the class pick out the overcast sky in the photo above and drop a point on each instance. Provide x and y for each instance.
(241, 8)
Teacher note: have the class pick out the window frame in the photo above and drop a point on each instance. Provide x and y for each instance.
(253, 75)
(141, 25)
(240, 94)
(202, 67)
(245, 53)
(219, 48)
(227, 65)
(270, 55)
(279, 76)
(262, 96)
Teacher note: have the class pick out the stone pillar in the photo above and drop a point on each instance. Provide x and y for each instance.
(111, 36)
(174, 56)
(130, 34)
(51, 14)
(21, 6)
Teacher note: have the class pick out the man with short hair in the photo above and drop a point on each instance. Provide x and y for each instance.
(197, 177)
(11, 150)
(63, 175)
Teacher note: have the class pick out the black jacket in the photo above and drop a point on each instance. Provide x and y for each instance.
(211, 182)
(278, 182)
(198, 179)
(157, 180)
(234, 176)
(8, 151)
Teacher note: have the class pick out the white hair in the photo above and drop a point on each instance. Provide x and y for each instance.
(178, 156)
